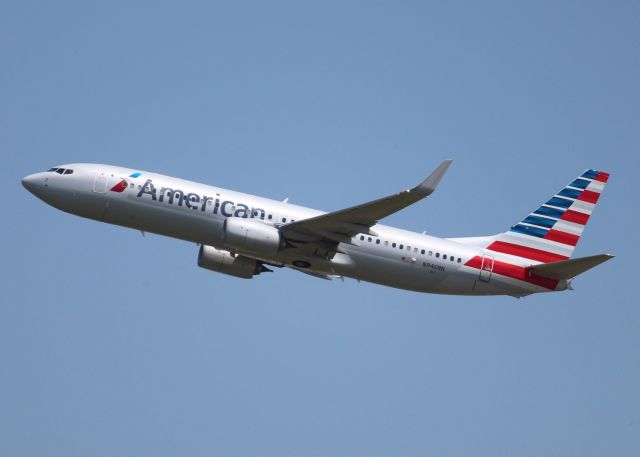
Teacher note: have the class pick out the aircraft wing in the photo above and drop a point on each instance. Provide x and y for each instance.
(340, 226)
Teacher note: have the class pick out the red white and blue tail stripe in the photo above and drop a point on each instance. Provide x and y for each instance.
(551, 232)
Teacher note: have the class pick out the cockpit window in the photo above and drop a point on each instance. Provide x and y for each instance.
(61, 171)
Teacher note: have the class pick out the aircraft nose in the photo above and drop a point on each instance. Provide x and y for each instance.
(33, 183)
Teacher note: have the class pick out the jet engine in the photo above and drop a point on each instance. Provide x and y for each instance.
(223, 262)
(251, 237)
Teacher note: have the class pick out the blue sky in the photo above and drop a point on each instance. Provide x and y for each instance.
(115, 344)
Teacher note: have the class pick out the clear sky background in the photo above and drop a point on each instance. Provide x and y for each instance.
(112, 344)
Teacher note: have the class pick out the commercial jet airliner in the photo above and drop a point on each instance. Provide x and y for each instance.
(243, 235)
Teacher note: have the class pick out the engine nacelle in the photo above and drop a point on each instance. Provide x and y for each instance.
(251, 237)
(223, 262)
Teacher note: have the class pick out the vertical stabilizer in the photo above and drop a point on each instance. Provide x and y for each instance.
(551, 232)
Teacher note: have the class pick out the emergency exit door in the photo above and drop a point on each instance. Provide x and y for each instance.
(486, 268)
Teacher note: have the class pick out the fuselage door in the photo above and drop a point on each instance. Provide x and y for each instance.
(100, 183)
(486, 268)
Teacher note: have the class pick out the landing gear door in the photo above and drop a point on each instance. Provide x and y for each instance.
(100, 183)
(486, 269)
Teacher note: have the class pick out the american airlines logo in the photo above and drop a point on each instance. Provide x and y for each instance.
(195, 201)
(122, 185)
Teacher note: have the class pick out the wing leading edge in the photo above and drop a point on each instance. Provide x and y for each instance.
(340, 226)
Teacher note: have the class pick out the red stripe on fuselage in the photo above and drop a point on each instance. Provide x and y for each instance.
(562, 237)
(589, 196)
(575, 216)
(515, 272)
(526, 252)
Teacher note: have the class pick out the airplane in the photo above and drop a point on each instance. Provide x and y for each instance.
(244, 235)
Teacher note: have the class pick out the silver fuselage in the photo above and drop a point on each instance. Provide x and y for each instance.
(196, 212)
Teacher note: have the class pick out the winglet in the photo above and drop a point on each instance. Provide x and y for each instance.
(429, 185)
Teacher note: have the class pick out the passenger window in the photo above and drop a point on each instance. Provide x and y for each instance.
(430, 253)
(437, 255)
(393, 245)
(378, 241)
(415, 250)
(270, 216)
(459, 260)
(132, 185)
(401, 247)
(409, 248)
(452, 258)
(369, 240)
(444, 256)
(386, 243)
(422, 252)
(284, 219)
(361, 237)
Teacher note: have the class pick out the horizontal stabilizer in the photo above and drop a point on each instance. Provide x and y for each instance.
(567, 269)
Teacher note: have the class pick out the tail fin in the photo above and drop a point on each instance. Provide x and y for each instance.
(551, 232)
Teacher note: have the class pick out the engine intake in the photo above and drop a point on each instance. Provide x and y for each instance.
(223, 262)
(251, 237)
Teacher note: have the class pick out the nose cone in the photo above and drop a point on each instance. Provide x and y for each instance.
(30, 182)
(34, 184)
